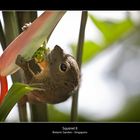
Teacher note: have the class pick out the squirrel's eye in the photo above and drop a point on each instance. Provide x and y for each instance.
(63, 67)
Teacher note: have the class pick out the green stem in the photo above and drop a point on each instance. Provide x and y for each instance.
(2, 37)
(10, 25)
(18, 77)
(74, 108)
(22, 18)
(25, 17)
(22, 110)
(39, 112)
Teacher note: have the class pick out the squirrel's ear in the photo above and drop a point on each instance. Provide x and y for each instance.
(58, 48)
(4, 87)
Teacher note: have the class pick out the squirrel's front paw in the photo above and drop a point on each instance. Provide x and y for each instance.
(26, 26)
(20, 61)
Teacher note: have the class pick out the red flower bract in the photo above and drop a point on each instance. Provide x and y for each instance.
(3, 87)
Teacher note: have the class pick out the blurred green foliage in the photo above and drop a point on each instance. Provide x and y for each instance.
(111, 31)
(90, 49)
(55, 115)
(129, 113)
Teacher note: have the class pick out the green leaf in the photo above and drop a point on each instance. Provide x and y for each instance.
(112, 30)
(16, 92)
(90, 50)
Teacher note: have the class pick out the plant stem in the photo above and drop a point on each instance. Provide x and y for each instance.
(24, 17)
(18, 77)
(39, 112)
(10, 25)
(74, 108)
(2, 37)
